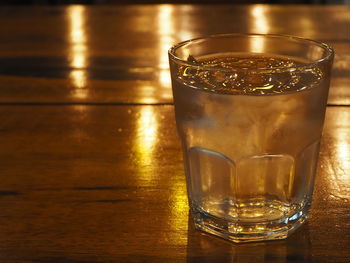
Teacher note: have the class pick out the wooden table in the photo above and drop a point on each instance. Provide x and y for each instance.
(90, 162)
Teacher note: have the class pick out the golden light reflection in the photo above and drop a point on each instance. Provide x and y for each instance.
(78, 79)
(338, 178)
(179, 211)
(78, 50)
(342, 151)
(147, 132)
(186, 22)
(146, 141)
(164, 76)
(166, 30)
(306, 25)
(260, 25)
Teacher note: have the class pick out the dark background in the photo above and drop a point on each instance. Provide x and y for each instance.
(101, 2)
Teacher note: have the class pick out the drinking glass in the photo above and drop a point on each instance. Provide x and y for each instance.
(249, 112)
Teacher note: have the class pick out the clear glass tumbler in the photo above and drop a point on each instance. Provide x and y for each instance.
(249, 111)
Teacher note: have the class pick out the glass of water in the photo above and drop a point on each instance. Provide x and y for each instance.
(249, 111)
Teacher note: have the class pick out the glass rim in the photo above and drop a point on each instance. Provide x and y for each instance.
(328, 57)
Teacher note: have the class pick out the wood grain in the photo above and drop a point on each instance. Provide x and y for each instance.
(118, 54)
(106, 184)
(90, 162)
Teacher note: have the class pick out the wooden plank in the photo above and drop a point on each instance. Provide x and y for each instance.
(106, 184)
(118, 54)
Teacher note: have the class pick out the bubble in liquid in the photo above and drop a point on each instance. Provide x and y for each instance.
(249, 74)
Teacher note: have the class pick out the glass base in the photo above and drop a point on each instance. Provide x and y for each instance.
(240, 231)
